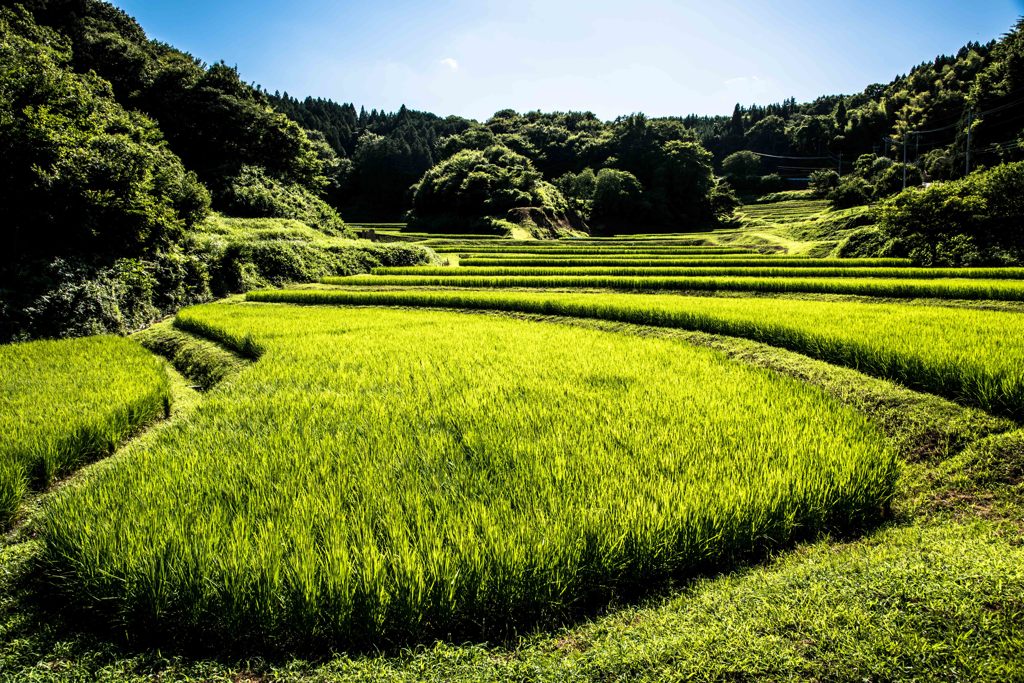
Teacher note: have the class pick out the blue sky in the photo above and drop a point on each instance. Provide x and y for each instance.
(473, 57)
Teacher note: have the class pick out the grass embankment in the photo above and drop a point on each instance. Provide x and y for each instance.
(63, 403)
(802, 225)
(244, 253)
(740, 271)
(972, 356)
(203, 362)
(897, 288)
(490, 500)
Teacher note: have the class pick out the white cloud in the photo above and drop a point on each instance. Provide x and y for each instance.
(451, 63)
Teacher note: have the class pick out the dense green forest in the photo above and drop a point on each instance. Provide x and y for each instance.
(115, 149)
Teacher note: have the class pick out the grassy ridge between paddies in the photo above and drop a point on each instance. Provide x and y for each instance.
(972, 356)
(740, 271)
(380, 476)
(719, 261)
(63, 403)
(951, 288)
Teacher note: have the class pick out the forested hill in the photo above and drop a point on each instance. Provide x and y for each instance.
(223, 129)
(931, 107)
(382, 153)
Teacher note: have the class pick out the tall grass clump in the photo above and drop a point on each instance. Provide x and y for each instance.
(381, 477)
(904, 288)
(971, 356)
(63, 403)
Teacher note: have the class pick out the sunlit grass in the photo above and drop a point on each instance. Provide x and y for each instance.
(65, 402)
(382, 476)
(973, 356)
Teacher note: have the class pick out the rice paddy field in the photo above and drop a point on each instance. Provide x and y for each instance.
(385, 505)
(67, 402)
(657, 457)
(903, 288)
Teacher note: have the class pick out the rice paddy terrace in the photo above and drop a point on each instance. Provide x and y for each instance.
(694, 456)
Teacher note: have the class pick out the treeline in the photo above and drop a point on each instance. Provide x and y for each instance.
(543, 170)
(381, 154)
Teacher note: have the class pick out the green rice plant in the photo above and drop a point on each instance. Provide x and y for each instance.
(384, 476)
(690, 271)
(541, 248)
(972, 356)
(63, 403)
(723, 260)
(13, 486)
(952, 288)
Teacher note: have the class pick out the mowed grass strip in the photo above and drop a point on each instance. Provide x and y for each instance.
(720, 261)
(739, 271)
(63, 403)
(972, 356)
(382, 476)
(951, 288)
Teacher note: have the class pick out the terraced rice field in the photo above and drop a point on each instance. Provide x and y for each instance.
(651, 261)
(391, 468)
(903, 288)
(379, 476)
(541, 248)
(63, 403)
(732, 271)
(792, 210)
(975, 356)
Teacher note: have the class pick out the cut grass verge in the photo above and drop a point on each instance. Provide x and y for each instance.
(203, 362)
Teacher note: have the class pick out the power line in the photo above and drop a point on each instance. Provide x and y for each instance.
(779, 156)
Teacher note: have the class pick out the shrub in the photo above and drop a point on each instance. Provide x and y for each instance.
(618, 198)
(723, 199)
(578, 189)
(891, 180)
(772, 182)
(742, 168)
(963, 222)
(473, 187)
(254, 194)
(823, 181)
(851, 191)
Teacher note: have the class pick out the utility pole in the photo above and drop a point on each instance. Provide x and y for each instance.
(905, 134)
(970, 122)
